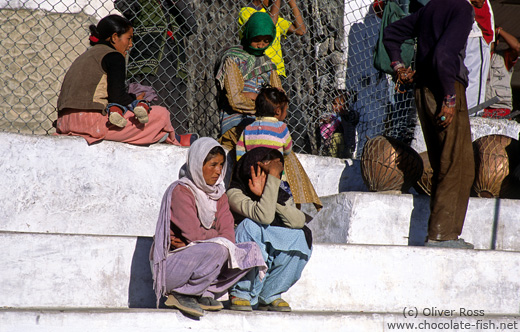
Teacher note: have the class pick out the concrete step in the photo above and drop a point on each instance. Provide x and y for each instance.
(389, 219)
(85, 271)
(479, 127)
(130, 320)
(62, 185)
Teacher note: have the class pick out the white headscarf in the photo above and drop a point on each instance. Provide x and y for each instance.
(206, 196)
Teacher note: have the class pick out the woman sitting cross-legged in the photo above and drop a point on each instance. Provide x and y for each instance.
(269, 217)
(194, 256)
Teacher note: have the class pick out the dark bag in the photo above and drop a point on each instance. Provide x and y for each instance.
(382, 61)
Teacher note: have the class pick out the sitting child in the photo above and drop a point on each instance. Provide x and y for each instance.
(268, 130)
(338, 128)
(331, 130)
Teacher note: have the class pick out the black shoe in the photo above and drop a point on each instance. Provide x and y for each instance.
(185, 303)
(210, 304)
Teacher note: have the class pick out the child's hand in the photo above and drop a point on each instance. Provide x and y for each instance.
(257, 181)
(141, 96)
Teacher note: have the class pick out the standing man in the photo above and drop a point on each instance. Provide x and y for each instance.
(441, 28)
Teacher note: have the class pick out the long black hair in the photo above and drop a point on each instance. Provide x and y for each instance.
(242, 171)
(107, 27)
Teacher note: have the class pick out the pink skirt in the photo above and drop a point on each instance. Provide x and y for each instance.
(94, 127)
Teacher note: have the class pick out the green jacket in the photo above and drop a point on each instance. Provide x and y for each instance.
(382, 61)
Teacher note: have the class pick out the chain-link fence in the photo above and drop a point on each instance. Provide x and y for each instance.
(337, 98)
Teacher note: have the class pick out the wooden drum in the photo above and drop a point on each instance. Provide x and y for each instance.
(389, 165)
(496, 156)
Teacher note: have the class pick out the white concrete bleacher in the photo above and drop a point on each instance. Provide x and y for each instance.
(382, 219)
(479, 127)
(92, 271)
(76, 224)
(60, 184)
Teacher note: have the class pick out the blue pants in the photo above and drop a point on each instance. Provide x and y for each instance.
(284, 267)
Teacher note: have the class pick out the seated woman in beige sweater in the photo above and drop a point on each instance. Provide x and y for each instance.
(262, 203)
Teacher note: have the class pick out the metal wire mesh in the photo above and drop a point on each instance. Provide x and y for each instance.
(330, 64)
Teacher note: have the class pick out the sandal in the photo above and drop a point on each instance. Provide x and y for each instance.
(141, 113)
(240, 304)
(279, 305)
(210, 304)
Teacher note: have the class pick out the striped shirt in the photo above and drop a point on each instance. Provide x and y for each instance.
(265, 132)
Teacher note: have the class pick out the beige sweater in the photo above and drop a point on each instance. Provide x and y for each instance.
(264, 210)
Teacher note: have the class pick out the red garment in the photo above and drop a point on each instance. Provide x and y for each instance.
(483, 18)
(510, 58)
(185, 223)
(496, 113)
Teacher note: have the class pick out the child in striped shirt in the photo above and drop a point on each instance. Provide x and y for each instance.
(268, 130)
